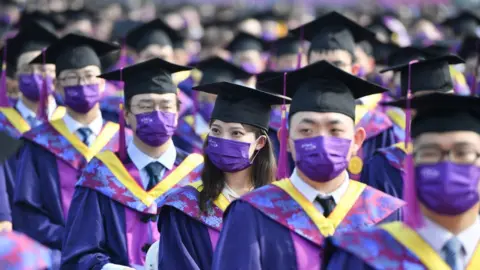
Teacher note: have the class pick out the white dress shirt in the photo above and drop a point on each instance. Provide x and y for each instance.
(25, 112)
(95, 126)
(437, 236)
(141, 160)
(311, 194)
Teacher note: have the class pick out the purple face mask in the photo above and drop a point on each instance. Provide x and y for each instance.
(322, 158)
(82, 98)
(250, 68)
(228, 155)
(361, 72)
(447, 188)
(31, 84)
(155, 128)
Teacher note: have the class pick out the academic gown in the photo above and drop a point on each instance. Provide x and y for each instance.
(390, 246)
(14, 125)
(275, 227)
(110, 107)
(19, 252)
(189, 236)
(384, 171)
(273, 134)
(49, 166)
(111, 216)
(190, 134)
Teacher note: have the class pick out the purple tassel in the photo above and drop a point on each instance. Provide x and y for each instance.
(473, 87)
(121, 136)
(3, 80)
(413, 217)
(300, 50)
(283, 169)
(42, 104)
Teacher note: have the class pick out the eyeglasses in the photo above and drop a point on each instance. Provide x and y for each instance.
(457, 155)
(76, 79)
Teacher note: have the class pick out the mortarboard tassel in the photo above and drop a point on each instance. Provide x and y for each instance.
(43, 101)
(473, 87)
(3, 79)
(412, 214)
(121, 135)
(282, 170)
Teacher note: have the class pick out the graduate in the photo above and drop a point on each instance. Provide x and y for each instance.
(284, 225)
(443, 227)
(463, 24)
(284, 54)
(113, 212)
(55, 153)
(192, 130)
(238, 157)
(23, 116)
(384, 171)
(333, 38)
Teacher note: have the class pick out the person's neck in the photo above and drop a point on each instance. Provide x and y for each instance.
(30, 104)
(454, 224)
(153, 152)
(85, 118)
(240, 182)
(324, 187)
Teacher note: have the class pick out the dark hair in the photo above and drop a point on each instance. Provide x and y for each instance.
(263, 171)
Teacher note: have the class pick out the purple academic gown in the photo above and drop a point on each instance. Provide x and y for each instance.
(384, 171)
(49, 167)
(110, 222)
(380, 134)
(268, 229)
(189, 236)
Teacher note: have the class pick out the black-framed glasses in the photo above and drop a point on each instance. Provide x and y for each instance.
(457, 155)
(76, 79)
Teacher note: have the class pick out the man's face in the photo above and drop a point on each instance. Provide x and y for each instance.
(146, 103)
(156, 51)
(23, 66)
(83, 76)
(339, 58)
(365, 61)
(249, 58)
(287, 62)
(313, 124)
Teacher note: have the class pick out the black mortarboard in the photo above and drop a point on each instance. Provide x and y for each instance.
(9, 146)
(404, 55)
(427, 75)
(121, 28)
(152, 76)
(333, 32)
(466, 22)
(379, 50)
(322, 87)
(154, 32)
(49, 21)
(33, 37)
(73, 15)
(74, 52)
(216, 69)
(268, 75)
(240, 104)
(443, 112)
(470, 47)
(285, 46)
(244, 42)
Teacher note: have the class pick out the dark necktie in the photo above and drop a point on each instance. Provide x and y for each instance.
(154, 171)
(85, 134)
(453, 250)
(327, 203)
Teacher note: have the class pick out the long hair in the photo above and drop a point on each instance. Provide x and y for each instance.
(263, 171)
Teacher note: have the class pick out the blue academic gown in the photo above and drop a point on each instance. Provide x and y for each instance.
(5, 210)
(267, 229)
(47, 171)
(384, 171)
(96, 230)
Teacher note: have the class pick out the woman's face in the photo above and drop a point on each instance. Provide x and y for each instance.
(236, 132)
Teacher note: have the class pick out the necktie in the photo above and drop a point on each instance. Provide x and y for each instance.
(32, 121)
(154, 171)
(85, 134)
(327, 203)
(452, 251)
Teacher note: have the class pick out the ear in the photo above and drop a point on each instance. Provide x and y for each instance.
(372, 64)
(355, 68)
(262, 140)
(102, 84)
(358, 139)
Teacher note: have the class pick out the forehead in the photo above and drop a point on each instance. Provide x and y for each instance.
(447, 139)
(91, 68)
(320, 118)
(247, 53)
(154, 97)
(331, 55)
(222, 124)
(27, 57)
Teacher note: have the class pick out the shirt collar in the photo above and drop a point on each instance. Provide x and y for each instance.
(25, 112)
(72, 125)
(437, 236)
(141, 160)
(311, 194)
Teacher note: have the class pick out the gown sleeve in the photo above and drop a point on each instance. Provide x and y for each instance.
(239, 243)
(83, 246)
(379, 174)
(33, 220)
(184, 242)
(5, 210)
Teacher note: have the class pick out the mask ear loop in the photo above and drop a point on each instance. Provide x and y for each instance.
(256, 151)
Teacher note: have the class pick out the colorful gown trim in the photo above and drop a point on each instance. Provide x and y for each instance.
(185, 199)
(395, 246)
(395, 154)
(107, 174)
(361, 206)
(12, 121)
(57, 139)
(19, 252)
(374, 122)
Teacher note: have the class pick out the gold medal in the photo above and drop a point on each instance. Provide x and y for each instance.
(355, 165)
